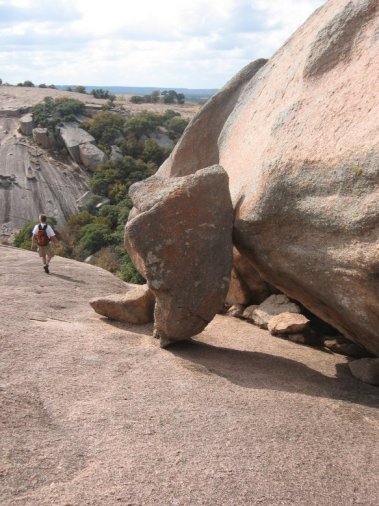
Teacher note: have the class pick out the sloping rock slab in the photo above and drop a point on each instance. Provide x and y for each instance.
(181, 241)
(136, 306)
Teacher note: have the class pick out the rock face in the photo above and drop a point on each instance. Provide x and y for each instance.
(299, 140)
(26, 124)
(73, 137)
(42, 138)
(188, 275)
(91, 156)
(136, 306)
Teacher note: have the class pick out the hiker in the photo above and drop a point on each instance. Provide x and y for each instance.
(42, 235)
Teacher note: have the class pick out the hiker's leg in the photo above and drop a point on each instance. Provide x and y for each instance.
(49, 254)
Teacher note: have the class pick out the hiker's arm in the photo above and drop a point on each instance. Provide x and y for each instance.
(34, 242)
(54, 239)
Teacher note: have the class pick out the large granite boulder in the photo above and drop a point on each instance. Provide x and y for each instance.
(73, 137)
(299, 141)
(180, 238)
(91, 156)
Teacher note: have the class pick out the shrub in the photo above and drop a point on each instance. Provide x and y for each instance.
(93, 237)
(50, 112)
(105, 127)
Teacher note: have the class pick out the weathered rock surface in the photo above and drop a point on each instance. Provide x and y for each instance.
(188, 275)
(136, 306)
(26, 124)
(85, 400)
(42, 137)
(54, 188)
(91, 156)
(366, 370)
(236, 310)
(301, 147)
(287, 323)
(238, 293)
(248, 313)
(345, 347)
(272, 306)
(72, 137)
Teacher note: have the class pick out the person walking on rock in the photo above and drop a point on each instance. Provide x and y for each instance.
(42, 235)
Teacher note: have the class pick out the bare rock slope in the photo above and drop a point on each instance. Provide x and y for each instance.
(96, 413)
(301, 148)
(31, 181)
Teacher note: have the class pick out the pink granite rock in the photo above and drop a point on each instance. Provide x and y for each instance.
(136, 306)
(301, 149)
(180, 237)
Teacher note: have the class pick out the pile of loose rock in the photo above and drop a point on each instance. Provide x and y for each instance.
(284, 318)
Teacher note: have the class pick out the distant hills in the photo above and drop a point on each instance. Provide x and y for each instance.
(191, 94)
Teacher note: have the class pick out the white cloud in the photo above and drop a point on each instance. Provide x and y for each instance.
(198, 43)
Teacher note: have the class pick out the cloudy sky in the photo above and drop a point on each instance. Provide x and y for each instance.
(165, 43)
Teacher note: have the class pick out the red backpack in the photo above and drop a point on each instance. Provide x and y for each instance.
(42, 237)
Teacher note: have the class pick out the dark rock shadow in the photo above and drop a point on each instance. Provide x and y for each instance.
(145, 329)
(262, 371)
(67, 278)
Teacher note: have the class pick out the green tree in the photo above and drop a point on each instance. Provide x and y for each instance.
(152, 152)
(50, 112)
(106, 127)
(80, 89)
(176, 126)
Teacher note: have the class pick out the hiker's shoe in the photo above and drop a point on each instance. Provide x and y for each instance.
(46, 267)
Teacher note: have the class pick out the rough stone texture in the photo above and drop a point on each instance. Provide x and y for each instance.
(42, 138)
(256, 288)
(73, 137)
(136, 306)
(93, 412)
(198, 147)
(248, 313)
(366, 370)
(272, 306)
(238, 293)
(236, 310)
(26, 124)
(301, 148)
(91, 156)
(22, 199)
(345, 347)
(188, 275)
(287, 323)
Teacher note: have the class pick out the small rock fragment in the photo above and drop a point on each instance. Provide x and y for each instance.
(136, 306)
(287, 323)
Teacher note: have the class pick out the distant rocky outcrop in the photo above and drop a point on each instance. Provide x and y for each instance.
(298, 138)
(91, 156)
(188, 275)
(81, 146)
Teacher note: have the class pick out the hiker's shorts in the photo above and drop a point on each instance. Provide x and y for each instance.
(45, 250)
